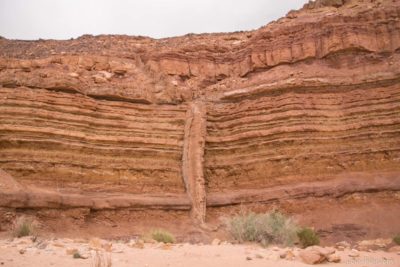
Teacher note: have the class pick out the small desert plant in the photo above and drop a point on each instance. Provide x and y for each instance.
(23, 227)
(265, 228)
(396, 239)
(161, 235)
(307, 237)
(77, 255)
(101, 259)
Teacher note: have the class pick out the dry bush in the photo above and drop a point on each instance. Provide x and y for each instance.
(308, 237)
(77, 255)
(24, 227)
(265, 228)
(161, 235)
(396, 239)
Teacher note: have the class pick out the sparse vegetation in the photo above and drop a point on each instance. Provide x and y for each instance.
(23, 227)
(396, 239)
(161, 235)
(307, 237)
(101, 259)
(77, 255)
(265, 228)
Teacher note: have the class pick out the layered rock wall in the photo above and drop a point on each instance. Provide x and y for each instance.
(212, 119)
(303, 133)
(70, 141)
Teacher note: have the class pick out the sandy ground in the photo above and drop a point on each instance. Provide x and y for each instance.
(58, 253)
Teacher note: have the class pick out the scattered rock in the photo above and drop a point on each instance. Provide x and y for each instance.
(150, 241)
(290, 255)
(311, 257)
(334, 258)
(354, 253)
(326, 251)
(166, 246)
(282, 254)
(380, 243)
(23, 240)
(259, 256)
(248, 258)
(362, 248)
(342, 245)
(316, 254)
(118, 248)
(287, 254)
(22, 251)
(216, 242)
(84, 255)
(60, 245)
(41, 245)
(137, 244)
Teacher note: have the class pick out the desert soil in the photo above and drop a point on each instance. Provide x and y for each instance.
(59, 252)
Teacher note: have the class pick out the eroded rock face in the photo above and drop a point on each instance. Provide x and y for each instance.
(311, 97)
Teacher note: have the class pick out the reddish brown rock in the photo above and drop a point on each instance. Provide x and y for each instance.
(304, 107)
(311, 257)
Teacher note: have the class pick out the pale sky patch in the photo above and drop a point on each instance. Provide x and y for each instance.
(64, 19)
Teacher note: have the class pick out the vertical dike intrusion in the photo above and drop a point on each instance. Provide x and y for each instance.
(193, 159)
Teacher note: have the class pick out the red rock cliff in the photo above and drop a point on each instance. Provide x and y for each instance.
(312, 97)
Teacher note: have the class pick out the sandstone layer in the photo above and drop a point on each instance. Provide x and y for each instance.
(305, 107)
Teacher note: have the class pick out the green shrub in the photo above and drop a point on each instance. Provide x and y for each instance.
(396, 239)
(307, 237)
(77, 255)
(23, 227)
(163, 236)
(265, 228)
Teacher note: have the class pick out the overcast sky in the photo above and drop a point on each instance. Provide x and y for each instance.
(63, 19)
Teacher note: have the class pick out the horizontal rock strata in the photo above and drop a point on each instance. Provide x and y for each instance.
(306, 99)
(340, 186)
(303, 134)
(64, 140)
